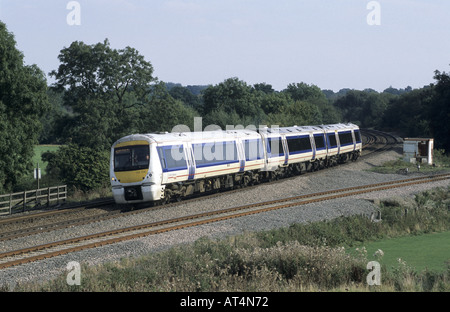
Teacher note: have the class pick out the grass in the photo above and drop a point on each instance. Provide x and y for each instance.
(38, 151)
(441, 163)
(422, 252)
(27, 182)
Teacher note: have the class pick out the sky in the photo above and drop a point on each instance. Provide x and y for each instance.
(332, 44)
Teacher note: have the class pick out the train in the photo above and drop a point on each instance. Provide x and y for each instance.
(163, 167)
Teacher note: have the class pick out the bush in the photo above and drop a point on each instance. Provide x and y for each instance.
(79, 167)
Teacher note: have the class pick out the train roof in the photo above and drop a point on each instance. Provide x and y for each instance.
(290, 130)
(339, 126)
(167, 137)
(307, 129)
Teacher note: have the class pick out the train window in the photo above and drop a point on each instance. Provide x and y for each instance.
(345, 138)
(172, 157)
(253, 149)
(216, 153)
(134, 157)
(332, 143)
(357, 136)
(299, 144)
(275, 147)
(320, 141)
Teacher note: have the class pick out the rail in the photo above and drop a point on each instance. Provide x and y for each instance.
(62, 247)
(27, 200)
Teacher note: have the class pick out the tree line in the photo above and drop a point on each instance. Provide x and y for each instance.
(101, 94)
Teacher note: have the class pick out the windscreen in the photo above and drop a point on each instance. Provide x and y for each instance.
(134, 157)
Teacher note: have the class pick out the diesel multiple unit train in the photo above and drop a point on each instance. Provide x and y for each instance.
(163, 167)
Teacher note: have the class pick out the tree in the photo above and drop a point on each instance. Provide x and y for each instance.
(314, 96)
(23, 100)
(163, 112)
(302, 91)
(408, 113)
(55, 119)
(273, 102)
(81, 167)
(187, 97)
(300, 113)
(440, 111)
(264, 87)
(103, 86)
(232, 95)
(365, 108)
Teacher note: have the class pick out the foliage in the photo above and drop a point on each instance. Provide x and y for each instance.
(103, 86)
(234, 97)
(55, 119)
(311, 94)
(296, 113)
(163, 112)
(80, 167)
(363, 107)
(231, 95)
(186, 97)
(440, 111)
(409, 113)
(23, 101)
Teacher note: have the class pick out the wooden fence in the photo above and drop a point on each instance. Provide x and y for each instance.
(22, 201)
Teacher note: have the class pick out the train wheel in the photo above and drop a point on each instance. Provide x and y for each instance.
(167, 198)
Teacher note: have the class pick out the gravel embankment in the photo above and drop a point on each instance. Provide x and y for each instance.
(348, 175)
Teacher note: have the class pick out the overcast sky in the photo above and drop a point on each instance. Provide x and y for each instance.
(333, 44)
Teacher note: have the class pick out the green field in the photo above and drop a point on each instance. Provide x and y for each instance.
(426, 251)
(38, 151)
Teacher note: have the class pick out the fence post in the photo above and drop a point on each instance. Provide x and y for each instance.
(10, 203)
(48, 197)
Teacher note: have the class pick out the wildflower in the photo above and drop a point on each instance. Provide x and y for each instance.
(379, 253)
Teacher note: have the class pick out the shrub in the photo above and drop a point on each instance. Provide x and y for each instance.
(80, 167)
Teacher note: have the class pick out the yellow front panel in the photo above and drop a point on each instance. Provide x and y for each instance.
(131, 176)
(128, 143)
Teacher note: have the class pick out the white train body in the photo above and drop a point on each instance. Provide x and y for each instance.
(162, 167)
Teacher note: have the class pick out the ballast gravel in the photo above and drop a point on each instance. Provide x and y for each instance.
(351, 174)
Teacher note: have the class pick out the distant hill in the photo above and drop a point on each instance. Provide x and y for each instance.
(195, 89)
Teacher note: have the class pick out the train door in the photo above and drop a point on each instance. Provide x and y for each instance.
(313, 145)
(190, 161)
(241, 154)
(338, 142)
(354, 140)
(265, 143)
(285, 149)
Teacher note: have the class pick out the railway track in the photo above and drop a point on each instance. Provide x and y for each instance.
(36, 223)
(25, 255)
(377, 141)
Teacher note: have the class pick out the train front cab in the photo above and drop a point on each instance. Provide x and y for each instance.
(131, 178)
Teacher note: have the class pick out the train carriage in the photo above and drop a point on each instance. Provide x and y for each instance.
(308, 144)
(343, 142)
